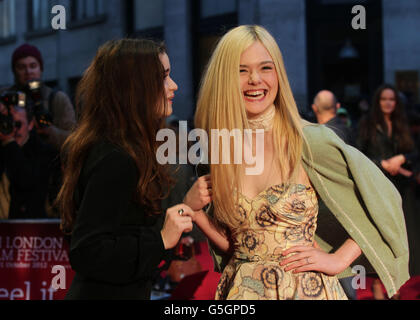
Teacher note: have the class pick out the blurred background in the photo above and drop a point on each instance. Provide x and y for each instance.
(320, 47)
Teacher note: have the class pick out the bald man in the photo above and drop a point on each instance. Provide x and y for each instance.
(325, 107)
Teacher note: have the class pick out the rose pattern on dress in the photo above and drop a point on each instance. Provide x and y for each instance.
(295, 206)
(265, 217)
(271, 277)
(251, 241)
(312, 284)
(294, 234)
(309, 229)
(279, 190)
(224, 282)
(242, 214)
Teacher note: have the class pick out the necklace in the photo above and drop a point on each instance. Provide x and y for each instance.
(264, 121)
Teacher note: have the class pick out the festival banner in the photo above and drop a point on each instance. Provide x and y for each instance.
(34, 261)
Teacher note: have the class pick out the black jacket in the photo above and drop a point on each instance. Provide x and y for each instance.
(29, 169)
(386, 148)
(339, 127)
(116, 246)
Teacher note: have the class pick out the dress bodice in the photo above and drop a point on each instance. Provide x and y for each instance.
(280, 217)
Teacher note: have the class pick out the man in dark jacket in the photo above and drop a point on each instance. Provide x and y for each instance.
(325, 107)
(26, 160)
(27, 65)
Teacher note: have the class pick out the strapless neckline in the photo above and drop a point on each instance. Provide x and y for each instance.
(258, 196)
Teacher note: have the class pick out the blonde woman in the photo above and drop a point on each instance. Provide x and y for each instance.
(262, 227)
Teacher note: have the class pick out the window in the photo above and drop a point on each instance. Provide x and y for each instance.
(40, 14)
(148, 14)
(7, 18)
(211, 8)
(146, 19)
(86, 9)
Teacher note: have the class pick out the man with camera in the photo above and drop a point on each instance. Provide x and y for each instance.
(53, 110)
(26, 160)
(51, 116)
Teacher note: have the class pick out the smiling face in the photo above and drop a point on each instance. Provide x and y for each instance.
(258, 79)
(388, 101)
(170, 85)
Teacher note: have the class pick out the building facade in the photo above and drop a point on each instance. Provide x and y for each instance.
(320, 47)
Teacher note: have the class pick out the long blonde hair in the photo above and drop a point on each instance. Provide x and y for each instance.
(221, 106)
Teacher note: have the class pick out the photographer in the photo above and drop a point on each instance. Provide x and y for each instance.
(26, 160)
(27, 66)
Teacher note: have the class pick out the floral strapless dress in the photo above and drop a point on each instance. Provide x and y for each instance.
(280, 217)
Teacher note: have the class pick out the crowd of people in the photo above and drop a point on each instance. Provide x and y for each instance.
(125, 213)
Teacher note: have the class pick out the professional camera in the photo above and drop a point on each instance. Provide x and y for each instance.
(31, 100)
(35, 104)
(8, 99)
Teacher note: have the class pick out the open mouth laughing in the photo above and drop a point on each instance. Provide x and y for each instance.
(255, 95)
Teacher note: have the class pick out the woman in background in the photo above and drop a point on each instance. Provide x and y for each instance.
(113, 184)
(384, 137)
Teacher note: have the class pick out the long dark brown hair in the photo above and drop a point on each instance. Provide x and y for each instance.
(376, 119)
(119, 99)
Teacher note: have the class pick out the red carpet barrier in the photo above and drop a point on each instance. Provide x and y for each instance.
(34, 262)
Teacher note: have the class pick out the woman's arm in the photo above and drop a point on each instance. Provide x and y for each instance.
(210, 230)
(197, 198)
(348, 253)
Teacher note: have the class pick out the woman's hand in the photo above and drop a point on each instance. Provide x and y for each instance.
(196, 216)
(397, 161)
(387, 167)
(200, 194)
(214, 234)
(177, 221)
(393, 165)
(405, 173)
(312, 259)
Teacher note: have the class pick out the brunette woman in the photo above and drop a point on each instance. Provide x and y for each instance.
(384, 136)
(112, 182)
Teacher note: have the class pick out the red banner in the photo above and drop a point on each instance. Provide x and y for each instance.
(34, 261)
